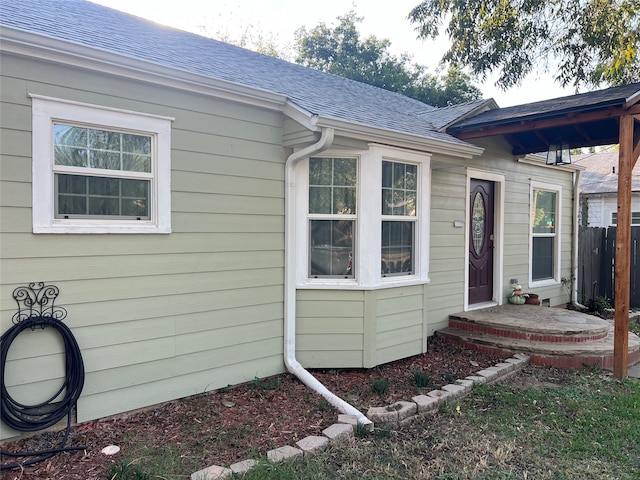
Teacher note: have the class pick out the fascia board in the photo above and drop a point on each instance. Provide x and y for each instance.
(485, 106)
(52, 50)
(540, 161)
(300, 115)
(632, 99)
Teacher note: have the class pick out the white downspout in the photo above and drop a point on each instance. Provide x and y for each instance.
(576, 233)
(294, 367)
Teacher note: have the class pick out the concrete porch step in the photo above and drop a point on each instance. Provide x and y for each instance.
(531, 320)
(557, 354)
(534, 333)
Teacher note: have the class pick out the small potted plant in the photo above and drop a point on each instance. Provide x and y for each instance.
(531, 299)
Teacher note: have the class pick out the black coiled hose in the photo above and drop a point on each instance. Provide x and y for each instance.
(32, 418)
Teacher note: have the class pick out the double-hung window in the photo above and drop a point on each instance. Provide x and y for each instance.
(101, 173)
(332, 216)
(545, 232)
(399, 204)
(99, 170)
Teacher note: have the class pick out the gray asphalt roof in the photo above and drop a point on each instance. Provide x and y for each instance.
(447, 115)
(318, 93)
(600, 175)
(556, 106)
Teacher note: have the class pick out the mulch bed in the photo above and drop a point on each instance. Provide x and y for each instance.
(245, 421)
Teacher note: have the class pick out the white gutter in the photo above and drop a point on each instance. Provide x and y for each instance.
(290, 360)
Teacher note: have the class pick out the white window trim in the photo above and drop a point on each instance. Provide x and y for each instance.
(46, 110)
(557, 189)
(368, 229)
(633, 213)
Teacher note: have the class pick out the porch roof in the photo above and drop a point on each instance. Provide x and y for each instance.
(582, 120)
(602, 117)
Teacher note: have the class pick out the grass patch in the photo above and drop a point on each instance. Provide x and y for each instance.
(422, 379)
(634, 326)
(272, 383)
(380, 385)
(546, 425)
(127, 470)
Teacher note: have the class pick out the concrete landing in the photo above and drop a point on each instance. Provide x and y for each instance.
(549, 336)
(533, 318)
(634, 371)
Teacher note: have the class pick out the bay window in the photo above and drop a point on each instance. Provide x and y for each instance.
(365, 218)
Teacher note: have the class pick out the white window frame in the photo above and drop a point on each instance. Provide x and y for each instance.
(413, 219)
(557, 189)
(635, 218)
(348, 217)
(368, 228)
(46, 111)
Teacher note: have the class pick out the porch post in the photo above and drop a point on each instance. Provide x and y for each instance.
(623, 248)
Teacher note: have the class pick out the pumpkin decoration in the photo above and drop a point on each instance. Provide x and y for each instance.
(517, 297)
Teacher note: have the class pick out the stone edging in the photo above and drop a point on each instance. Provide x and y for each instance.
(394, 414)
(402, 412)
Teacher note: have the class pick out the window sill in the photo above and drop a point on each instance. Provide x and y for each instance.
(354, 285)
(101, 228)
(544, 283)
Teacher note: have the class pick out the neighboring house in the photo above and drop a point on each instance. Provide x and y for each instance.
(599, 189)
(212, 215)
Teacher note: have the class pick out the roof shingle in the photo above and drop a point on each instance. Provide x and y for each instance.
(318, 93)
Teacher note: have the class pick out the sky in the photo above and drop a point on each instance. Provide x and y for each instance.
(279, 19)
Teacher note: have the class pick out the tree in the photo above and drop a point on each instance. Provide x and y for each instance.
(252, 38)
(589, 42)
(340, 51)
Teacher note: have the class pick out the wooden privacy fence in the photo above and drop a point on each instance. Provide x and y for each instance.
(596, 260)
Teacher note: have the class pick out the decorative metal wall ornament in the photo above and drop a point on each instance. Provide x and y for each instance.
(37, 301)
(36, 308)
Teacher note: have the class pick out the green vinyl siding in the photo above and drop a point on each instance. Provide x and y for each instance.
(157, 317)
(359, 329)
(399, 323)
(329, 328)
(445, 293)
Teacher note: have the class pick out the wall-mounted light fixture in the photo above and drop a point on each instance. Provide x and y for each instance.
(559, 154)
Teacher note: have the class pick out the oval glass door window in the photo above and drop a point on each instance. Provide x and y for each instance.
(477, 222)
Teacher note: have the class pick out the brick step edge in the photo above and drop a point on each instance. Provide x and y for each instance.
(602, 346)
(532, 336)
(551, 358)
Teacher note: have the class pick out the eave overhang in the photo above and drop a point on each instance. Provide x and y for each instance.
(585, 120)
